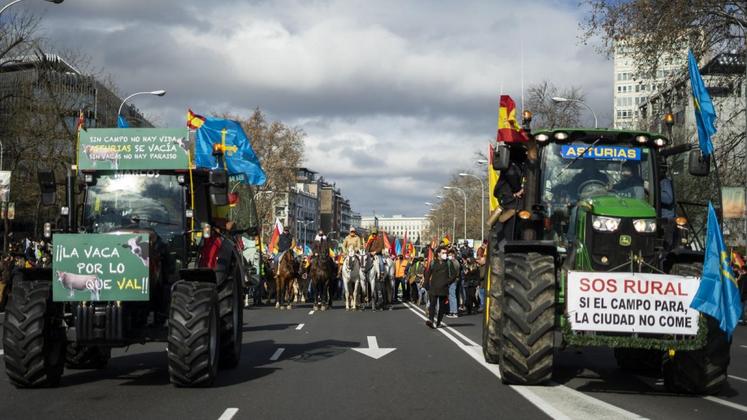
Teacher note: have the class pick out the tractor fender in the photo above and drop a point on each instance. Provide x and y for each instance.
(34, 273)
(681, 256)
(201, 274)
(524, 247)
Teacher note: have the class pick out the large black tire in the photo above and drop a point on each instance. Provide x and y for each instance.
(491, 332)
(702, 371)
(194, 336)
(33, 336)
(87, 357)
(528, 319)
(639, 360)
(231, 313)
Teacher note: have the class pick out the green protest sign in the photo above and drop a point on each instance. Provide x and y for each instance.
(133, 148)
(100, 267)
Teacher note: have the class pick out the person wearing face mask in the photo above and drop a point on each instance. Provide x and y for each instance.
(441, 275)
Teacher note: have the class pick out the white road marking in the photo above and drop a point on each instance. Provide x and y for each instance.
(743, 346)
(373, 351)
(738, 378)
(276, 355)
(228, 414)
(299, 326)
(2, 352)
(726, 403)
(311, 312)
(557, 401)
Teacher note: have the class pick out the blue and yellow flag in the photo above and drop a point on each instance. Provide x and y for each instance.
(718, 293)
(705, 114)
(238, 156)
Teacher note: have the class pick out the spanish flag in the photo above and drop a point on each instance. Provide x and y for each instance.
(194, 121)
(509, 129)
(492, 179)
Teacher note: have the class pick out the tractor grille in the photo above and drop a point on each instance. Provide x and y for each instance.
(609, 245)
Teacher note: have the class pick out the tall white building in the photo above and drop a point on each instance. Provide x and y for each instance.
(631, 90)
(398, 225)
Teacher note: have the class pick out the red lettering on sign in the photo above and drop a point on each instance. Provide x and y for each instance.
(628, 285)
(584, 284)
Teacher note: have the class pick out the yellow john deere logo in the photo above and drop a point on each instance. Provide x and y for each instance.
(625, 240)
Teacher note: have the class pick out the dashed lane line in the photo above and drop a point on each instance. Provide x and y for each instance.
(738, 378)
(557, 401)
(300, 326)
(726, 403)
(2, 352)
(743, 346)
(228, 414)
(276, 355)
(311, 312)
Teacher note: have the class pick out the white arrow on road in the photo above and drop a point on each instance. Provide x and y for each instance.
(373, 351)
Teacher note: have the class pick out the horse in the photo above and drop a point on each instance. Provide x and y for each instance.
(286, 274)
(352, 273)
(322, 272)
(377, 280)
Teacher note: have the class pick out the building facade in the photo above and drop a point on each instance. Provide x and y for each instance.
(398, 226)
(631, 88)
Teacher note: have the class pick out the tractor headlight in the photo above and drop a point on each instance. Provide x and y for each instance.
(604, 223)
(644, 225)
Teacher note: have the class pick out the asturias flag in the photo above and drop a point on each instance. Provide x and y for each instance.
(122, 122)
(238, 156)
(718, 294)
(509, 129)
(705, 114)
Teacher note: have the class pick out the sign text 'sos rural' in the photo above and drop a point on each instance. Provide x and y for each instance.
(632, 303)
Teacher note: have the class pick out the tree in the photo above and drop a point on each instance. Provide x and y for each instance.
(652, 29)
(547, 113)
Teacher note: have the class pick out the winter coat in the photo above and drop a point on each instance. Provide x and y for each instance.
(284, 242)
(352, 241)
(442, 274)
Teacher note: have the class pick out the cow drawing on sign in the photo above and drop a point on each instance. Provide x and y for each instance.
(95, 155)
(81, 282)
(182, 142)
(138, 248)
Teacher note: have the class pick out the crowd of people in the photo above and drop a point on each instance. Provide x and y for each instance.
(22, 253)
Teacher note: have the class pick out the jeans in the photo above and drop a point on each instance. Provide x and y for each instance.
(453, 308)
(481, 290)
(441, 302)
(400, 281)
(422, 295)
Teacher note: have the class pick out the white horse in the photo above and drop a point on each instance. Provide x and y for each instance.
(352, 273)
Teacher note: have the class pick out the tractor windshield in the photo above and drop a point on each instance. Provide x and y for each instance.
(135, 200)
(576, 171)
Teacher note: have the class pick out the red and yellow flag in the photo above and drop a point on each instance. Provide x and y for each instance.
(492, 179)
(272, 247)
(737, 259)
(194, 121)
(509, 129)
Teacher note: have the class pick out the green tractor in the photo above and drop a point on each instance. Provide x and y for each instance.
(138, 255)
(595, 256)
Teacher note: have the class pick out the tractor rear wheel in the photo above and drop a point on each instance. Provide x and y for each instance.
(491, 333)
(33, 335)
(702, 371)
(231, 315)
(87, 357)
(194, 337)
(528, 319)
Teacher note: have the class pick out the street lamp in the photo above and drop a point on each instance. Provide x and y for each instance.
(17, 1)
(453, 222)
(558, 99)
(465, 206)
(482, 203)
(160, 92)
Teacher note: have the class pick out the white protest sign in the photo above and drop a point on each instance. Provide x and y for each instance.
(632, 303)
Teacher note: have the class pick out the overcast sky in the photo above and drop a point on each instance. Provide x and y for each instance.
(394, 95)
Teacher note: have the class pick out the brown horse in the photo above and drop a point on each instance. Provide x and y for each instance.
(286, 274)
(322, 271)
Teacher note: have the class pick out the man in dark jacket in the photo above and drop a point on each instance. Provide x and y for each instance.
(442, 274)
(285, 241)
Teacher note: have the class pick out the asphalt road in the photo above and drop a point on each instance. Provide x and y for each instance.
(430, 374)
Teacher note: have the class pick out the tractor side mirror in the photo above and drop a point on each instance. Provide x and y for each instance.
(698, 165)
(501, 157)
(218, 188)
(48, 187)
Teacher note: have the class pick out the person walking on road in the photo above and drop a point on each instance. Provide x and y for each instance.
(442, 275)
(453, 303)
(400, 268)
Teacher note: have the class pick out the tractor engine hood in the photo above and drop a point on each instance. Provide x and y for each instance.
(616, 206)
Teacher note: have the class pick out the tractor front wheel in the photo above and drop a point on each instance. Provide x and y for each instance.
(702, 371)
(528, 319)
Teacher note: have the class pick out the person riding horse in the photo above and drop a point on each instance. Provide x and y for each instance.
(285, 241)
(375, 246)
(352, 243)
